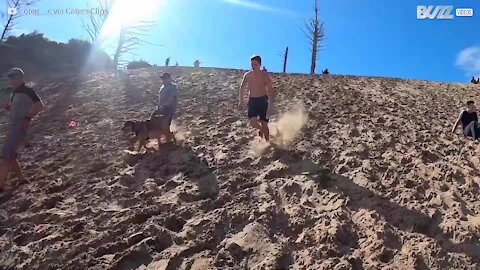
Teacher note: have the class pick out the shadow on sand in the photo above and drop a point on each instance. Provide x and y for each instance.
(135, 94)
(171, 165)
(408, 220)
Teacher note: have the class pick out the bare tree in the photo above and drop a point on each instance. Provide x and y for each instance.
(11, 19)
(93, 25)
(315, 33)
(131, 36)
(285, 58)
(119, 52)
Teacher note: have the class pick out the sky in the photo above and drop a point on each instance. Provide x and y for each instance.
(363, 37)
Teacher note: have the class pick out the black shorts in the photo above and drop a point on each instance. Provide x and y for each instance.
(257, 107)
(166, 112)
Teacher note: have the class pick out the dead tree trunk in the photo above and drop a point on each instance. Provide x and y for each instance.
(315, 33)
(130, 39)
(313, 64)
(285, 60)
(284, 56)
(118, 52)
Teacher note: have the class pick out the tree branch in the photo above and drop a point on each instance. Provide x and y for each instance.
(93, 26)
(12, 19)
(314, 32)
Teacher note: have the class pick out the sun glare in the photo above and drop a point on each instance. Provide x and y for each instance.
(128, 12)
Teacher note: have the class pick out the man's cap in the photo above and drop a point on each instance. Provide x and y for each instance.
(166, 75)
(14, 72)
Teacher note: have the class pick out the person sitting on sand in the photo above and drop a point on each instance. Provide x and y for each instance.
(261, 96)
(167, 98)
(473, 80)
(23, 107)
(469, 121)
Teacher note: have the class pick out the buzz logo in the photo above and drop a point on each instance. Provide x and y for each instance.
(435, 12)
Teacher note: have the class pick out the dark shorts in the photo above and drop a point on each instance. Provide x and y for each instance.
(166, 112)
(257, 107)
(15, 137)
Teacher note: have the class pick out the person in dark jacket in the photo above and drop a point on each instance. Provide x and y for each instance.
(469, 120)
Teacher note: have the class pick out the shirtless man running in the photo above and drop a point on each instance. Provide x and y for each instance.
(261, 97)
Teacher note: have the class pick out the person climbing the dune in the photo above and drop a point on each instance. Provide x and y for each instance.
(469, 120)
(167, 98)
(24, 105)
(261, 96)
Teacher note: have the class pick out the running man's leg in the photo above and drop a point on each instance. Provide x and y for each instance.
(263, 108)
(253, 115)
(265, 131)
(255, 123)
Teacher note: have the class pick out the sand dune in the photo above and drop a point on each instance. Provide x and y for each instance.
(362, 173)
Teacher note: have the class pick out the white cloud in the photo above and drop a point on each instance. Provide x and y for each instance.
(469, 60)
(257, 6)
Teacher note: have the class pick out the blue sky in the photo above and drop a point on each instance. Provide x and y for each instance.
(364, 37)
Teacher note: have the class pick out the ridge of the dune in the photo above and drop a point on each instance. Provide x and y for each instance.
(366, 176)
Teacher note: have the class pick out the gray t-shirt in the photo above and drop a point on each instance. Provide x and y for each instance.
(21, 103)
(167, 91)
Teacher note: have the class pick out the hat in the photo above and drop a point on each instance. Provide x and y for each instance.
(166, 75)
(15, 72)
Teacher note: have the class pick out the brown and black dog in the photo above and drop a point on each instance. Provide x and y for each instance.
(154, 128)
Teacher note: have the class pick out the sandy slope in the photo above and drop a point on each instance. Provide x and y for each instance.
(373, 181)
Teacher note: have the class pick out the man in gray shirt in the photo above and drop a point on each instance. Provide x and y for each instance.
(167, 98)
(24, 105)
